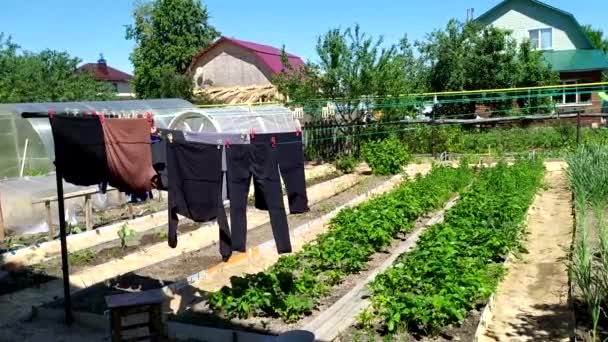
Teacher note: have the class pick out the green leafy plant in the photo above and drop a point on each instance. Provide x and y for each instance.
(588, 171)
(458, 263)
(82, 257)
(295, 284)
(74, 229)
(125, 234)
(386, 157)
(346, 163)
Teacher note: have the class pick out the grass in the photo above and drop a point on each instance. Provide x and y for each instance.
(588, 267)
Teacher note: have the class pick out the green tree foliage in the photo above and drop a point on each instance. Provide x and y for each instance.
(596, 36)
(352, 66)
(167, 34)
(463, 56)
(469, 56)
(45, 76)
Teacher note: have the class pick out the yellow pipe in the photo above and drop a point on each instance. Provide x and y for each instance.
(513, 89)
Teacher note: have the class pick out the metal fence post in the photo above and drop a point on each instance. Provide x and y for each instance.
(578, 127)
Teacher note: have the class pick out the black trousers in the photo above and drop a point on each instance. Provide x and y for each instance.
(80, 150)
(159, 155)
(257, 160)
(291, 164)
(195, 188)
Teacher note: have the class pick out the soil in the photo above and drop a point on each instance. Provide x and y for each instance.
(531, 303)
(584, 324)
(100, 218)
(169, 271)
(11, 281)
(42, 330)
(464, 332)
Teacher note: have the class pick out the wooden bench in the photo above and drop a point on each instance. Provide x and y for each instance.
(88, 207)
(123, 306)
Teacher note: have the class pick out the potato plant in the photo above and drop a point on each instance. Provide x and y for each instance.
(457, 264)
(294, 285)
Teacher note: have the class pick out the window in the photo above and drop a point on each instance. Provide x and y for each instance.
(541, 39)
(571, 95)
(115, 87)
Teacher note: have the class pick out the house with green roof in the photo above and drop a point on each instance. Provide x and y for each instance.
(560, 36)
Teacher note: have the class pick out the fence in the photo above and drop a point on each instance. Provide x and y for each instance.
(324, 141)
(510, 120)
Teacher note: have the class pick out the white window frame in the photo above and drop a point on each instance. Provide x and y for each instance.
(540, 37)
(578, 102)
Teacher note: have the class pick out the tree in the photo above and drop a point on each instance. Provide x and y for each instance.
(469, 56)
(45, 76)
(167, 34)
(597, 39)
(352, 69)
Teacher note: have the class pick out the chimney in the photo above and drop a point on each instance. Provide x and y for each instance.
(470, 14)
(101, 64)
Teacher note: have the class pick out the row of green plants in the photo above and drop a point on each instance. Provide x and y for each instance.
(588, 172)
(457, 264)
(295, 284)
(327, 144)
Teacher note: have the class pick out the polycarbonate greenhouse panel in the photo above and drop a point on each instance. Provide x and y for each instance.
(168, 113)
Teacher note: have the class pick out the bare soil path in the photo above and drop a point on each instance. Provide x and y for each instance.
(531, 303)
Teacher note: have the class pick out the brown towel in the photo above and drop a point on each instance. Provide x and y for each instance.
(129, 154)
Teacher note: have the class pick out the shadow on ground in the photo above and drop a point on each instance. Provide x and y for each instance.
(554, 324)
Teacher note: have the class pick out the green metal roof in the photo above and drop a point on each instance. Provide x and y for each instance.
(576, 60)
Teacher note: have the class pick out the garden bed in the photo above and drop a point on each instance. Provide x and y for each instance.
(589, 254)
(357, 240)
(113, 250)
(435, 292)
(179, 268)
(123, 213)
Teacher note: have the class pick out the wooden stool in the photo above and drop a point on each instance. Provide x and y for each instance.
(125, 305)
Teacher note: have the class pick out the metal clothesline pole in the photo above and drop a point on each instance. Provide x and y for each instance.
(67, 296)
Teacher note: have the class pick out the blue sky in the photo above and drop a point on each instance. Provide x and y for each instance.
(85, 28)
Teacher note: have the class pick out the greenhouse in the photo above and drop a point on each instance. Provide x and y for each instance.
(26, 144)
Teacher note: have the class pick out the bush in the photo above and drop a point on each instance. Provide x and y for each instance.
(386, 157)
(346, 163)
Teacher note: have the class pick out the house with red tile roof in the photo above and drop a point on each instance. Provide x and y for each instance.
(119, 80)
(235, 65)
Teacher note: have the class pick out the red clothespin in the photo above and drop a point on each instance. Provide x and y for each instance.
(101, 116)
(228, 142)
(52, 113)
(273, 141)
(252, 133)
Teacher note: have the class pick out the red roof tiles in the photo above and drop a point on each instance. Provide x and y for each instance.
(101, 71)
